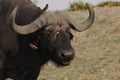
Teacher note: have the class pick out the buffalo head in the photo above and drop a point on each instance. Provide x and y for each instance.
(52, 34)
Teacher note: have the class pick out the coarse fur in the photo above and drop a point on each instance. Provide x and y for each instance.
(19, 61)
(23, 55)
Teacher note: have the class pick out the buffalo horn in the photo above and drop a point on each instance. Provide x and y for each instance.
(26, 29)
(84, 25)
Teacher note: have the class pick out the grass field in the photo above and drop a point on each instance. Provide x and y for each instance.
(97, 50)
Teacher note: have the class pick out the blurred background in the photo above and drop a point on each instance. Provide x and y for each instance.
(97, 49)
(64, 4)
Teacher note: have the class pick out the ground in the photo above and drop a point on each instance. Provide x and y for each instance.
(97, 50)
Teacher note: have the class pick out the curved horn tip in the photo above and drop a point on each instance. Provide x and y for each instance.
(91, 10)
(88, 5)
(14, 11)
(87, 23)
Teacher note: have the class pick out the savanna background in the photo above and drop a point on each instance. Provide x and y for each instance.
(97, 49)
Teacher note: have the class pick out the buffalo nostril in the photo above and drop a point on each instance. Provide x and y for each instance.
(67, 55)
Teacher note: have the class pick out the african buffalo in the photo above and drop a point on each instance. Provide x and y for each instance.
(30, 37)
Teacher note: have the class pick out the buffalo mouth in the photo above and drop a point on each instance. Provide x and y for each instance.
(65, 63)
(61, 63)
(62, 59)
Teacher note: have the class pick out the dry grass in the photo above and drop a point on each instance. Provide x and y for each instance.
(97, 50)
(77, 6)
(109, 4)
